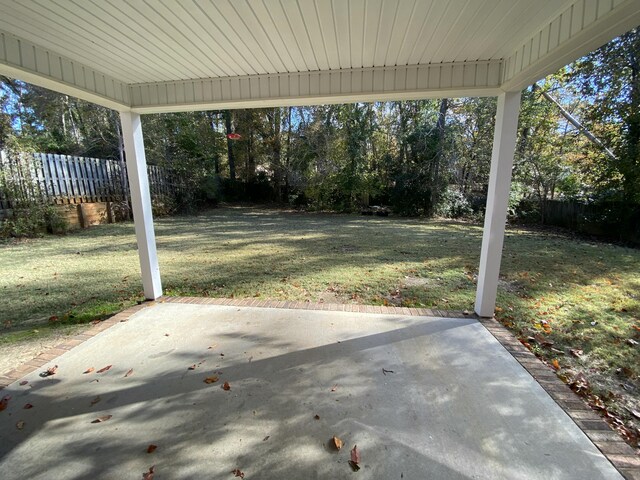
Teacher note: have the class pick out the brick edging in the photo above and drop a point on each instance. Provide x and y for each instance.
(608, 441)
(621, 455)
(334, 307)
(52, 353)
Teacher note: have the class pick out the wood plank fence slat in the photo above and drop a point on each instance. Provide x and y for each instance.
(60, 177)
(54, 177)
(89, 176)
(79, 180)
(40, 178)
(73, 179)
(64, 179)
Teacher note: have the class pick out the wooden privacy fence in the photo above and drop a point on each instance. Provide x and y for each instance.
(64, 179)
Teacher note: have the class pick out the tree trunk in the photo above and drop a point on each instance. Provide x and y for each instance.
(440, 128)
(288, 157)
(631, 182)
(232, 164)
(124, 183)
(251, 157)
(277, 153)
(581, 128)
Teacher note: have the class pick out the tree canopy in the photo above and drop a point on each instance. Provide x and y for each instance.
(419, 157)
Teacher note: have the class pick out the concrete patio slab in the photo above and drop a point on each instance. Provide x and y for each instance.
(422, 397)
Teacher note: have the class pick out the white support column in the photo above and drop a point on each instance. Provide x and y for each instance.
(504, 144)
(141, 203)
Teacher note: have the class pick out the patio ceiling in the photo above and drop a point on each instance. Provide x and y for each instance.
(161, 55)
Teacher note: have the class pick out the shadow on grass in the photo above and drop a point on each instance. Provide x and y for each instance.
(245, 252)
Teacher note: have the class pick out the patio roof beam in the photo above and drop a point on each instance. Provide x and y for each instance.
(504, 143)
(40, 66)
(141, 203)
(582, 27)
(377, 84)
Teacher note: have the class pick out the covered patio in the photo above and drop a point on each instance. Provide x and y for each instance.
(421, 396)
(150, 57)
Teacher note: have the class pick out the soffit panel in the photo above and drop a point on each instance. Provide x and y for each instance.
(140, 41)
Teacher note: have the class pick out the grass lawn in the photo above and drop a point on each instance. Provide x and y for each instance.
(582, 296)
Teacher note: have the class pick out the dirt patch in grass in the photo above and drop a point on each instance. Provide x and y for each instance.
(579, 294)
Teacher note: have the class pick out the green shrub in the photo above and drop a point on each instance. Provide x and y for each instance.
(33, 220)
(453, 204)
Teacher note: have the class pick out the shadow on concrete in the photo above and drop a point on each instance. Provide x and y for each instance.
(455, 407)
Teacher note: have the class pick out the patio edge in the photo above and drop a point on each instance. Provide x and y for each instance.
(607, 440)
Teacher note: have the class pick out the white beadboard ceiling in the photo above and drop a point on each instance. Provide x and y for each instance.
(142, 42)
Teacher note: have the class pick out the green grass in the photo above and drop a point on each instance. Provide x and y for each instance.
(546, 277)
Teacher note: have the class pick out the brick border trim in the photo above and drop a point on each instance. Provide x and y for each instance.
(334, 307)
(608, 441)
(621, 455)
(52, 353)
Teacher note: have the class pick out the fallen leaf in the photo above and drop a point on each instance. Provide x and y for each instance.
(88, 370)
(385, 371)
(334, 388)
(355, 455)
(635, 327)
(129, 373)
(53, 318)
(238, 473)
(20, 425)
(266, 438)
(4, 402)
(555, 364)
(149, 475)
(27, 406)
(166, 334)
(95, 400)
(354, 465)
(317, 417)
(212, 379)
(24, 382)
(104, 369)
(542, 340)
(192, 367)
(580, 384)
(49, 371)
(337, 443)
(576, 352)
(226, 386)
(104, 418)
(151, 448)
